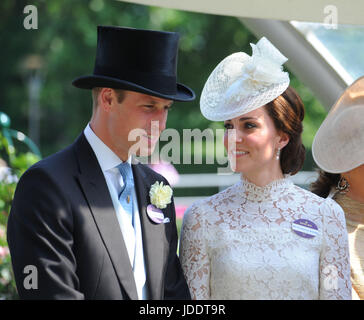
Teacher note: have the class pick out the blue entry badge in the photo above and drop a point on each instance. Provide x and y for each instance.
(304, 228)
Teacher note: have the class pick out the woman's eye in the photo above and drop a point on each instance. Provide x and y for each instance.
(228, 126)
(250, 125)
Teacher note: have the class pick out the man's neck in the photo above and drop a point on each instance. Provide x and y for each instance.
(103, 136)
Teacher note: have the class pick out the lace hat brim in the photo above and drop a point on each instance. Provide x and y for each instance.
(338, 144)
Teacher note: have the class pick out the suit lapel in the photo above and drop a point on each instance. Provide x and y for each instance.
(98, 197)
(154, 240)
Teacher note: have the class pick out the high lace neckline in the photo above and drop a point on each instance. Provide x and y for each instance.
(271, 191)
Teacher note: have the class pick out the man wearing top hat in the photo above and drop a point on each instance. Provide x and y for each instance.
(82, 224)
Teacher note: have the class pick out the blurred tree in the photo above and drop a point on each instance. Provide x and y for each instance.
(12, 165)
(66, 42)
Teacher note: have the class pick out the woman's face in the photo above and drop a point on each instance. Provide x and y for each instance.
(355, 174)
(355, 178)
(252, 146)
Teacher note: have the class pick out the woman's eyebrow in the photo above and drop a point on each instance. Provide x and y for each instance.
(247, 118)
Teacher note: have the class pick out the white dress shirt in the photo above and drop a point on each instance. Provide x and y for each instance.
(108, 162)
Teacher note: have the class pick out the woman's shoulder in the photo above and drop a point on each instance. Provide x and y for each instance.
(206, 205)
(327, 205)
(310, 196)
(224, 196)
(333, 209)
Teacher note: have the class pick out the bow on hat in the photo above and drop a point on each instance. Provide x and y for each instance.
(263, 69)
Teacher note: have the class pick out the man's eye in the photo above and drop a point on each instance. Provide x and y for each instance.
(148, 107)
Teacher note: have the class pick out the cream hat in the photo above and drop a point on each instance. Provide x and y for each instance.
(339, 142)
(240, 83)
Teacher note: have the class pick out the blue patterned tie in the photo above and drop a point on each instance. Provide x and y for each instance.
(126, 195)
(134, 238)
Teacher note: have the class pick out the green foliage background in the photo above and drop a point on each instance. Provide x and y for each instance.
(18, 162)
(66, 41)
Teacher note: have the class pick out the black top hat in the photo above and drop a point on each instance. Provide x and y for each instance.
(138, 60)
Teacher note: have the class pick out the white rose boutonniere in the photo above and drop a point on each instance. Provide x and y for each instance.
(160, 195)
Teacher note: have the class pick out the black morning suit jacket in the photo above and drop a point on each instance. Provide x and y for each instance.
(63, 222)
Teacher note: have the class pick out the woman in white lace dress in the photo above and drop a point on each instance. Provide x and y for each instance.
(264, 237)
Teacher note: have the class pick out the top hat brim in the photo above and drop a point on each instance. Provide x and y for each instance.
(88, 82)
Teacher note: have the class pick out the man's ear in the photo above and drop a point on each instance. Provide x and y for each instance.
(106, 97)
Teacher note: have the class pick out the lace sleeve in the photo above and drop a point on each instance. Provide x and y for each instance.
(193, 254)
(335, 280)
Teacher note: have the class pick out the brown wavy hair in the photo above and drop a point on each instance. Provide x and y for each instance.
(287, 112)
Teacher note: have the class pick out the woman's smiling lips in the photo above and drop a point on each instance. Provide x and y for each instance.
(239, 153)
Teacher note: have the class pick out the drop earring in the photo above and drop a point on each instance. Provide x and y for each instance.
(343, 185)
(278, 153)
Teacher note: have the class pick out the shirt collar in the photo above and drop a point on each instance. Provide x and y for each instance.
(105, 156)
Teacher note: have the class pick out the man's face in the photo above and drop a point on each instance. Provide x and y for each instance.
(138, 119)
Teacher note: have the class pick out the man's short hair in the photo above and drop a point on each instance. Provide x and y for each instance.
(120, 93)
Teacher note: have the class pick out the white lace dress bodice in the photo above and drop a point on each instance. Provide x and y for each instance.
(239, 244)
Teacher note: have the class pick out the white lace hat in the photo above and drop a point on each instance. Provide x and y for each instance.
(241, 83)
(338, 145)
